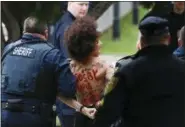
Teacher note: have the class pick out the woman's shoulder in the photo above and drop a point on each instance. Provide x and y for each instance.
(100, 62)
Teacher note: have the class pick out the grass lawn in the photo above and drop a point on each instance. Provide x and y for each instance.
(129, 33)
(58, 122)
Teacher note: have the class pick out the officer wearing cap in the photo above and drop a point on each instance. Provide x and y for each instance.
(148, 86)
(33, 74)
(174, 12)
(74, 10)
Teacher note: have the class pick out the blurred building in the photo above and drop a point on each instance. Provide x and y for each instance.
(107, 16)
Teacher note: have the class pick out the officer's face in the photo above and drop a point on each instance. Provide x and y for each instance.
(80, 9)
(180, 5)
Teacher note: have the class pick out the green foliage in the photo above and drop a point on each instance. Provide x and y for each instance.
(49, 11)
(157, 6)
(147, 4)
(46, 10)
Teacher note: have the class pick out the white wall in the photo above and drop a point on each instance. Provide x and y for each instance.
(106, 20)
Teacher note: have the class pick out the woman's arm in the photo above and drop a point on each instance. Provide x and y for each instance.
(89, 112)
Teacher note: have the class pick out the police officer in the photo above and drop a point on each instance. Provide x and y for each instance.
(74, 10)
(176, 19)
(180, 51)
(148, 86)
(33, 73)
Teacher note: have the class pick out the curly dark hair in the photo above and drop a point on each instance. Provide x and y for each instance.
(81, 38)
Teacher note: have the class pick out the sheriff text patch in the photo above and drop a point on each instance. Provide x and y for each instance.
(23, 51)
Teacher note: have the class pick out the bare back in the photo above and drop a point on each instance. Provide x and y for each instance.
(91, 80)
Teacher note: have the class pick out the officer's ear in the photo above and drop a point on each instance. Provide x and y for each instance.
(167, 37)
(138, 45)
(142, 42)
(69, 3)
(180, 43)
(46, 33)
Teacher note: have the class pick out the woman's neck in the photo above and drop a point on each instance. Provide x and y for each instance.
(87, 61)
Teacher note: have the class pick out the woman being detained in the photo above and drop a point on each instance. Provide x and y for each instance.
(92, 73)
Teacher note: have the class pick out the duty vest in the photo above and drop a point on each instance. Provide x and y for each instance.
(23, 72)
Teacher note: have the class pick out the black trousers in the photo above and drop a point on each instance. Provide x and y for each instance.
(82, 120)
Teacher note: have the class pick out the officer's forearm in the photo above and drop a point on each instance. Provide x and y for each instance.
(70, 102)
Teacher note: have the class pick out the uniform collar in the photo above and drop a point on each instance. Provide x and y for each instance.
(29, 36)
(156, 50)
(71, 15)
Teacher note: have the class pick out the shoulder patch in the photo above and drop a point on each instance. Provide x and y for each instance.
(111, 85)
(124, 61)
(126, 57)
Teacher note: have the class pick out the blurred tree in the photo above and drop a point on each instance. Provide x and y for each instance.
(147, 4)
(157, 8)
(135, 12)
(14, 13)
(157, 5)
